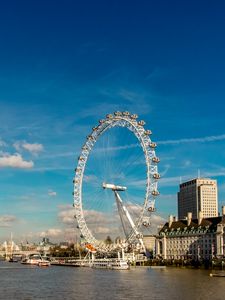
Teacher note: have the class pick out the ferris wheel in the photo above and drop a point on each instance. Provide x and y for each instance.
(133, 236)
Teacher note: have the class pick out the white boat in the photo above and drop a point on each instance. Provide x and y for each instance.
(44, 263)
(112, 264)
(33, 259)
(221, 274)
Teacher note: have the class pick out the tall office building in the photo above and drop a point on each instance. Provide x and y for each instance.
(196, 195)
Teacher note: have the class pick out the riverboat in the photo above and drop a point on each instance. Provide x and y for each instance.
(44, 263)
(33, 259)
(13, 259)
(222, 274)
(111, 264)
(64, 263)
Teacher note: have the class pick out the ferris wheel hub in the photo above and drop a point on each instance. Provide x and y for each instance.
(113, 187)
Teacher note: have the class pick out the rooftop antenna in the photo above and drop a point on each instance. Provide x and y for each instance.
(198, 173)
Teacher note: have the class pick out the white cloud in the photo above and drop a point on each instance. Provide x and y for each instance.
(66, 216)
(52, 193)
(52, 232)
(17, 145)
(100, 224)
(7, 220)
(205, 139)
(103, 230)
(33, 148)
(14, 161)
(156, 221)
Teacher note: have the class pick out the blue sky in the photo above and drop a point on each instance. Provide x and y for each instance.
(64, 65)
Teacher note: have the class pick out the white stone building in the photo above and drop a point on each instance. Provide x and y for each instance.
(149, 242)
(201, 238)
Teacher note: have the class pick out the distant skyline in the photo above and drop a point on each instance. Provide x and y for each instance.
(65, 65)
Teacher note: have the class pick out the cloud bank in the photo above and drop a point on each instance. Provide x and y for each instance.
(14, 161)
(7, 220)
(33, 148)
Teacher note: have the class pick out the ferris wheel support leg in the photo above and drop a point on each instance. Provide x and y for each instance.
(123, 254)
(123, 207)
(92, 256)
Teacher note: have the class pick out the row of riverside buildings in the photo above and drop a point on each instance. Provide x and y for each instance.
(199, 231)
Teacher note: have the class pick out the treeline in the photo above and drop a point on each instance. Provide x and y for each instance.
(71, 251)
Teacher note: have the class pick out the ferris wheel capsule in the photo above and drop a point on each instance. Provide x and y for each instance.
(151, 208)
(146, 224)
(134, 116)
(148, 132)
(126, 113)
(153, 145)
(156, 176)
(81, 158)
(139, 236)
(146, 221)
(141, 123)
(155, 159)
(117, 113)
(101, 121)
(155, 193)
(90, 137)
(109, 116)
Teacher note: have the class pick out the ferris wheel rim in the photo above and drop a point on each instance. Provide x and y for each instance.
(129, 121)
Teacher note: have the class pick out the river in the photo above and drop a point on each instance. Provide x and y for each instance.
(30, 282)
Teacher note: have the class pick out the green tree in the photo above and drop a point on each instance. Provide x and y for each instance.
(108, 240)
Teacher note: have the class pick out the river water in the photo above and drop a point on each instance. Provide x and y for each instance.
(30, 282)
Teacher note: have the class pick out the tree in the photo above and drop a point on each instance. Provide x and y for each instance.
(108, 240)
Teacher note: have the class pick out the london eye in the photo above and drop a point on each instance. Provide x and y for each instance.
(108, 199)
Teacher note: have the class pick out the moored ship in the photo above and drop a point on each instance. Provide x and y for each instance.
(112, 264)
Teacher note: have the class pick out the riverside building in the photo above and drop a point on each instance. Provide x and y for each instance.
(197, 195)
(198, 238)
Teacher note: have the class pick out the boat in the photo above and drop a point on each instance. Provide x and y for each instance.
(44, 263)
(222, 274)
(111, 264)
(32, 259)
(63, 263)
(13, 259)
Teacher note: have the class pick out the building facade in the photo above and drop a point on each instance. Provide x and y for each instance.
(197, 239)
(197, 195)
(149, 242)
